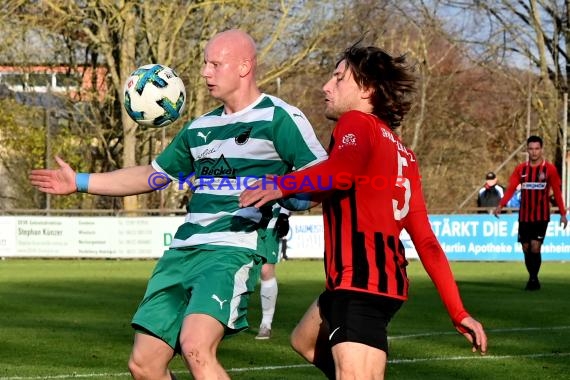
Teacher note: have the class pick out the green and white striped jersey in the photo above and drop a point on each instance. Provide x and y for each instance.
(217, 155)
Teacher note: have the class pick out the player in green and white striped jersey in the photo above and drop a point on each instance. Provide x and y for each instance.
(223, 153)
(199, 290)
(220, 248)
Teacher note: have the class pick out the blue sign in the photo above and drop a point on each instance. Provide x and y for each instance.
(484, 237)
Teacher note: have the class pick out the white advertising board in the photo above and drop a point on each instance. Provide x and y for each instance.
(130, 237)
(97, 237)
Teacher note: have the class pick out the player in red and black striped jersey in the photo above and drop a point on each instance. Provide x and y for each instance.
(372, 190)
(537, 178)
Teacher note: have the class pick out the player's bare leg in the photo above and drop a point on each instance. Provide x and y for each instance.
(200, 337)
(310, 340)
(358, 361)
(149, 358)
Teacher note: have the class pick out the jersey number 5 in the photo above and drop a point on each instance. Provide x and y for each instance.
(403, 190)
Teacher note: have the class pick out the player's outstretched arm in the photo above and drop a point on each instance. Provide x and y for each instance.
(120, 182)
(475, 334)
(59, 181)
(437, 266)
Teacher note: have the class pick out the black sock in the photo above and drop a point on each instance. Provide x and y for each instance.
(528, 262)
(537, 261)
(533, 262)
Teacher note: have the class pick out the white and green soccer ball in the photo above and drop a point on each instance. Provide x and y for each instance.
(154, 95)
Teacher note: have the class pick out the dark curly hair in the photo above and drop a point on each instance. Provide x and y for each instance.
(390, 78)
(534, 138)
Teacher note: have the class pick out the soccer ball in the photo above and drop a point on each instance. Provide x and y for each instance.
(154, 96)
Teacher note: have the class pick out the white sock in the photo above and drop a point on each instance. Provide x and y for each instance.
(268, 293)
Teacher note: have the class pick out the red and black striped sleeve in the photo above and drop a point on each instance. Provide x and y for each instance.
(556, 184)
(514, 181)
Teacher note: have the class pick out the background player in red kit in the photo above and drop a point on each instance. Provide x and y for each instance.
(536, 177)
(376, 193)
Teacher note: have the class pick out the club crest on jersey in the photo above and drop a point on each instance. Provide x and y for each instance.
(348, 140)
(243, 137)
(541, 176)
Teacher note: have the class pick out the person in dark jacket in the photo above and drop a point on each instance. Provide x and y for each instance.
(491, 194)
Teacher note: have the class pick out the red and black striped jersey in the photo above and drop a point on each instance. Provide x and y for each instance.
(375, 192)
(536, 182)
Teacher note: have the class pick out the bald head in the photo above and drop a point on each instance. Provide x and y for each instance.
(236, 43)
(229, 69)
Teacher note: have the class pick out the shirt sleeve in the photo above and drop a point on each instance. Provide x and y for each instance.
(176, 159)
(431, 253)
(555, 183)
(295, 140)
(350, 149)
(514, 181)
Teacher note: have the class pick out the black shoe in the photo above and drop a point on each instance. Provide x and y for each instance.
(532, 284)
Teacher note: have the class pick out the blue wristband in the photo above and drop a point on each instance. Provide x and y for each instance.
(298, 202)
(82, 182)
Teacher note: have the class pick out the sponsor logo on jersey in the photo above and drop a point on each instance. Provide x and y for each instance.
(217, 168)
(533, 186)
(206, 152)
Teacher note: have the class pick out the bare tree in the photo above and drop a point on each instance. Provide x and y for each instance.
(473, 93)
(121, 35)
(534, 34)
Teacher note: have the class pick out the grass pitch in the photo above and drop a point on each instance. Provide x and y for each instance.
(69, 319)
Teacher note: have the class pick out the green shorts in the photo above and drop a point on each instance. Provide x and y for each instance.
(197, 281)
(271, 245)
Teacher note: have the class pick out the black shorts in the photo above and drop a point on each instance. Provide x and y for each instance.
(358, 317)
(532, 231)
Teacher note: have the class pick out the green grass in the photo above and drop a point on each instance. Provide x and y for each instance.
(64, 319)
